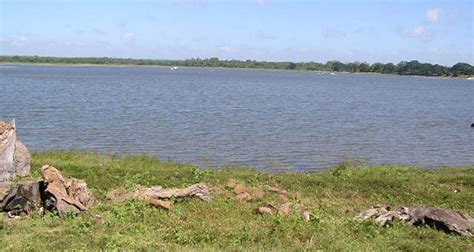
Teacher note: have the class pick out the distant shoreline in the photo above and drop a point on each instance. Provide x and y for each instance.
(2, 63)
(406, 68)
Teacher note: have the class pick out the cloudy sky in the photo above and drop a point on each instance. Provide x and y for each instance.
(274, 30)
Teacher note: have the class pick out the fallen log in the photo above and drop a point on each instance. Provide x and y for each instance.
(155, 195)
(157, 192)
(449, 221)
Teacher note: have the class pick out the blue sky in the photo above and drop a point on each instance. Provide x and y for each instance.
(274, 30)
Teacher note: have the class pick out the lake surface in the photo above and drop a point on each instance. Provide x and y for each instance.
(271, 120)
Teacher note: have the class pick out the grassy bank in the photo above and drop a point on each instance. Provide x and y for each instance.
(334, 196)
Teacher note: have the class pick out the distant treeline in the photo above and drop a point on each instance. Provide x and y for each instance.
(403, 68)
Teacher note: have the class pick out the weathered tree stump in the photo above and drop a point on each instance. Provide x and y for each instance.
(15, 159)
(52, 193)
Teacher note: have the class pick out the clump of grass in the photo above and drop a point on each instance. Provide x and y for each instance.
(334, 196)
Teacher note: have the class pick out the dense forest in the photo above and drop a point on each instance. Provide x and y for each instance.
(403, 68)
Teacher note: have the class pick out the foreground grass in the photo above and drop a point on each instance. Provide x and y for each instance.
(335, 196)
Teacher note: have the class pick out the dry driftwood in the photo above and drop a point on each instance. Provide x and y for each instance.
(65, 195)
(383, 214)
(157, 192)
(15, 159)
(155, 195)
(447, 220)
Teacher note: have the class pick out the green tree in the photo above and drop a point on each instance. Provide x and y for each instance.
(462, 69)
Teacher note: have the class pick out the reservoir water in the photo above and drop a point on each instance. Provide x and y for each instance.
(270, 120)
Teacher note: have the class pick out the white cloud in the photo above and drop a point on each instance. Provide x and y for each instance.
(129, 36)
(262, 2)
(418, 31)
(432, 15)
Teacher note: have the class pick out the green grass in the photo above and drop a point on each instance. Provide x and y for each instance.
(334, 196)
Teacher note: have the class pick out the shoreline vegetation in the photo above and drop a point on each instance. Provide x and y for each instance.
(334, 196)
(414, 67)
